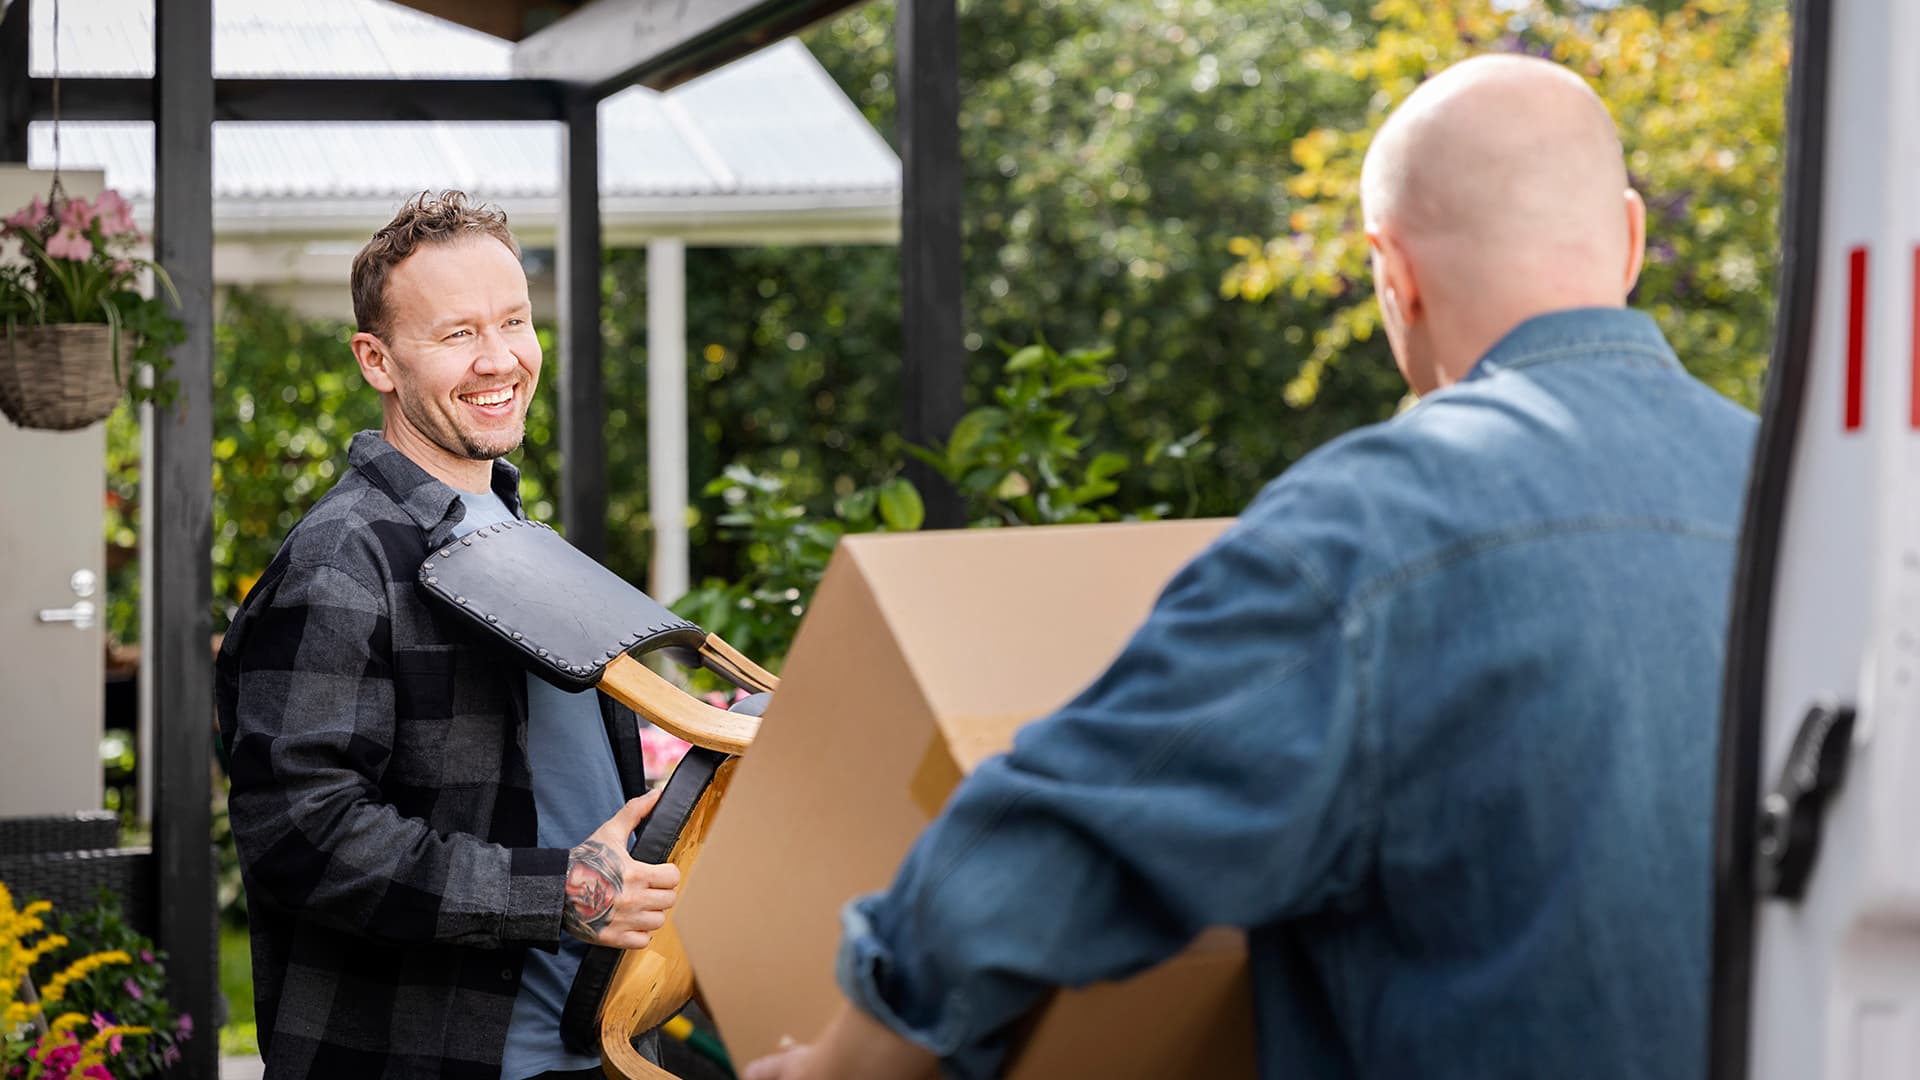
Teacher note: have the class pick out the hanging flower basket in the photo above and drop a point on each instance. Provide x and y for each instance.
(74, 321)
(64, 376)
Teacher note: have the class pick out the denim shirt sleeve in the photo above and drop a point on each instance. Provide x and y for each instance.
(1218, 773)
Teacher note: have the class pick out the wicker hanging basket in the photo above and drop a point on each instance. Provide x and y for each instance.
(63, 376)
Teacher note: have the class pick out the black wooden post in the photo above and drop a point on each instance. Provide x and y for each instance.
(179, 524)
(16, 103)
(583, 455)
(933, 359)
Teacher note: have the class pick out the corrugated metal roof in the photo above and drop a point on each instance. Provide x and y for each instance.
(773, 123)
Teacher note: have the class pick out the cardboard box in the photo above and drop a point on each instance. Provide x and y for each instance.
(921, 656)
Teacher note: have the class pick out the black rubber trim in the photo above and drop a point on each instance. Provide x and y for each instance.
(1750, 630)
(580, 1016)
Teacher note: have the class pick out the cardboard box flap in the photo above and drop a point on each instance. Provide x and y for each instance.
(1003, 626)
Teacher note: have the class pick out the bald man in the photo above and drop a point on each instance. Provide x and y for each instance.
(1434, 721)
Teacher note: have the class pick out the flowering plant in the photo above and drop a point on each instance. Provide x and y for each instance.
(77, 266)
(104, 1003)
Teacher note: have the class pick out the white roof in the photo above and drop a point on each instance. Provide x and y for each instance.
(767, 148)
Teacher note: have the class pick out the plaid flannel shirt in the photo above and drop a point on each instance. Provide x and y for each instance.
(382, 800)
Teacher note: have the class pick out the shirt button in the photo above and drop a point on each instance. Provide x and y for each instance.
(507, 974)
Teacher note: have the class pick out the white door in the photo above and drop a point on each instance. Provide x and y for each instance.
(1835, 958)
(52, 581)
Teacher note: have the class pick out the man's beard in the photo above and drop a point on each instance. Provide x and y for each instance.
(446, 434)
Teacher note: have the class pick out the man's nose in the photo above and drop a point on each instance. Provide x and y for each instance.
(495, 355)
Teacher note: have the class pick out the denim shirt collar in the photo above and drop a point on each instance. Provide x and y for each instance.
(432, 504)
(1578, 333)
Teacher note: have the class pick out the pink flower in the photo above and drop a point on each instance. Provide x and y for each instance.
(186, 1025)
(68, 243)
(29, 215)
(98, 1072)
(660, 751)
(170, 1056)
(145, 956)
(116, 217)
(77, 214)
(133, 990)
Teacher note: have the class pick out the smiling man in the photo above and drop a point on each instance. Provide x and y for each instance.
(409, 810)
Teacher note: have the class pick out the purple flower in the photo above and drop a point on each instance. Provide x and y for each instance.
(133, 990)
(146, 957)
(170, 1056)
(186, 1025)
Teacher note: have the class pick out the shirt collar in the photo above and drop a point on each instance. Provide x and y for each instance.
(1621, 333)
(432, 504)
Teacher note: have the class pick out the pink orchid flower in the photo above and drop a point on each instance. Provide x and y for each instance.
(186, 1025)
(133, 990)
(70, 243)
(29, 215)
(116, 213)
(77, 215)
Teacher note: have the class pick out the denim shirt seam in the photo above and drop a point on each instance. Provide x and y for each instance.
(1614, 349)
(1369, 592)
(1370, 735)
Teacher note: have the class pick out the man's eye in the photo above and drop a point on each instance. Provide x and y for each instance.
(516, 322)
(457, 333)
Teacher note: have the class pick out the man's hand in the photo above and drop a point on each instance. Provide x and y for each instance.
(612, 899)
(854, 1044)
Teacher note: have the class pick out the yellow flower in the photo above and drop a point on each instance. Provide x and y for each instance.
(94, 1052)
(80, 969)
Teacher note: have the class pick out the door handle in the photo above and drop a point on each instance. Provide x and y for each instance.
(80, 615)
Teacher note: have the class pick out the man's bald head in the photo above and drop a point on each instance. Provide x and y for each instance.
(1499, 184)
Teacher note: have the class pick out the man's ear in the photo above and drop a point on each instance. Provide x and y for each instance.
(1394, 280)
(373, 356)
(1636, 238)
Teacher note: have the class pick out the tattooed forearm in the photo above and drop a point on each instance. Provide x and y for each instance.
(593, 882)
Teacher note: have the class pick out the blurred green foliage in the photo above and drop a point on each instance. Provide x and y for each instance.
(1121, 159)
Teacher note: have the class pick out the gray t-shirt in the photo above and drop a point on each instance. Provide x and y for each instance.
(576, 788)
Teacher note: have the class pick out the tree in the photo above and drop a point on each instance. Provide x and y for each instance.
(1699, 95)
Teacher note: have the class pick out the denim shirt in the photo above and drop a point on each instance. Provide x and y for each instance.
(1434, 722)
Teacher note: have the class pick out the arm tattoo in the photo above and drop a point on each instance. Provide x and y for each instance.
(593, 882)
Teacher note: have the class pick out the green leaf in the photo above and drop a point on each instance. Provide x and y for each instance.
(859, 505)
(1107, 465)
(900, 505)
(1032, 356)
(972, 428)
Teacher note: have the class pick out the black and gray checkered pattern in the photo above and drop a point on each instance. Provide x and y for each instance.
(382, 800)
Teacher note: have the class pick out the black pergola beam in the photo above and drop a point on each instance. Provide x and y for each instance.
(583, 407)
(16, 109)
(609, 45)
(179, 524)
(315, 99)
(933, 357)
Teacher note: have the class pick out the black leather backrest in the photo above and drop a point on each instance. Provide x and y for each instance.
(566, 616)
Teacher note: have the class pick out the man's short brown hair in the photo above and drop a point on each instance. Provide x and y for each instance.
(425, 219)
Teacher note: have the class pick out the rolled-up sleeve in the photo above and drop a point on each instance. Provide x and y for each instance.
(1218, 773)
(312, 733)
